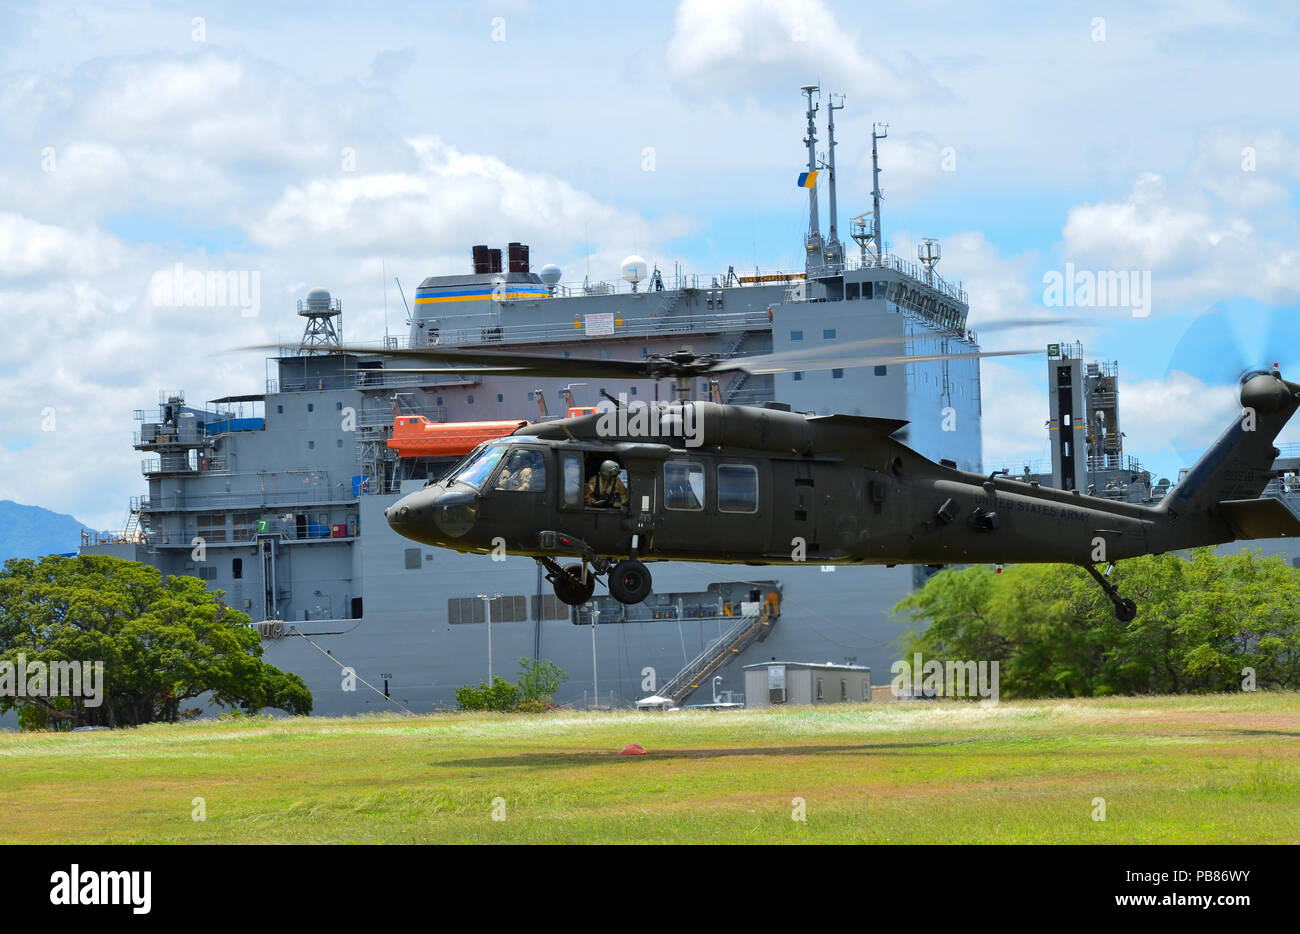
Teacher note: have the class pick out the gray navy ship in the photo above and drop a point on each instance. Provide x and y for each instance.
(277, 497)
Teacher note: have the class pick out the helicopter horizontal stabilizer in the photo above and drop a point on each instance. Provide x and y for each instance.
(882, 426)
(1260, 518)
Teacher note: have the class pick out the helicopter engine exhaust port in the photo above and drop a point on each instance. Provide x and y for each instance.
(629, 581)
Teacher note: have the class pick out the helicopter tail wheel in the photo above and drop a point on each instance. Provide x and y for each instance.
(629, 581)
(1125, 608)
(570, 586)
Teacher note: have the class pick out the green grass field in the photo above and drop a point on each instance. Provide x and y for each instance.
(1171, 769)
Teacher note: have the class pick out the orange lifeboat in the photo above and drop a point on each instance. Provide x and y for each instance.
(416, 436)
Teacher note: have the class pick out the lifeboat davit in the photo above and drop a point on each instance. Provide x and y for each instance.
(416, 436)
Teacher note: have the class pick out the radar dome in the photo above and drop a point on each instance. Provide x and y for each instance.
(550, 274)
(318, 299)
(634, 269)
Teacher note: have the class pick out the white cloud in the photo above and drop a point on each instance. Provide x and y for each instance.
(30, 248)
(741, 44)
(453, 200)
(1191, 253)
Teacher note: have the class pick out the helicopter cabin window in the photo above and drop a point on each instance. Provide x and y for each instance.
(573, 481)
(606, 486)
(524, 471)
(737, 488)
(683, 485)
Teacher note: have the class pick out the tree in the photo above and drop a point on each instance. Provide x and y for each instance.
(161, 640)
(539, 679)
(1202, 619)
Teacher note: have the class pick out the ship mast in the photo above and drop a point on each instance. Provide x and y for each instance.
(859, 230)
(813, 241)
(875, 188)
(834, 248)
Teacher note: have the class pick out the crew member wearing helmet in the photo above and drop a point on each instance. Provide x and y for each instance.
(606, 489)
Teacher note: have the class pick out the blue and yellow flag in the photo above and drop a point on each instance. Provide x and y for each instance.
(807, 179)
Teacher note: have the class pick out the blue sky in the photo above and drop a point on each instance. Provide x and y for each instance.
(320, 143)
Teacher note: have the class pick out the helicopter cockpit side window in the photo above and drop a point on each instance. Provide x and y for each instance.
(683, 485)
(524, 471)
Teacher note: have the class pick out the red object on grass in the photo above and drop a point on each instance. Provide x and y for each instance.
(632, 749)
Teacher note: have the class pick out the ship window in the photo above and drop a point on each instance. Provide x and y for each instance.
(311, 445)
(851, 291)
(603, 355)
(549, 607)
(279, 410)
(796, 335)
(207, 573)
(866, 690)
(237, 568)
(881, 370)
(837, 373)
(338, 406)
(819, 688)
(469, 400)
(530, 397)
(866, 290)
(828, 334)
(310, 407)
(464, 610)
(844, 689)
(339, 443)
(737, 488)
(413, 559)
(439, 400)
(798, 375)
(500, 397)
(631, 390)
(683, 485)
(572, 482)
(524, 472)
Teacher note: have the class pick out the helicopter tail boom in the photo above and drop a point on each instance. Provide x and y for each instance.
(1218, 498)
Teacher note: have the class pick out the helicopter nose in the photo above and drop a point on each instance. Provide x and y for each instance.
(408, 510)
(418, 514)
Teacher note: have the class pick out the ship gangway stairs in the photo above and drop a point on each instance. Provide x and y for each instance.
(748, 629)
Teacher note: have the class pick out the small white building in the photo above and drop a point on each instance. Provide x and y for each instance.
(774, 683)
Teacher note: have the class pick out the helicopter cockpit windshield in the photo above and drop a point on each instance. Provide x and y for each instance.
(479, 465)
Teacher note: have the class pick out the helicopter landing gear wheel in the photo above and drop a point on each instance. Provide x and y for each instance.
(629, 581)
(570, 587)
(1125, 607)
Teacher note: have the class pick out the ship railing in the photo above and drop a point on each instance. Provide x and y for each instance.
(321, 496)
(486, 332)
(914, 271)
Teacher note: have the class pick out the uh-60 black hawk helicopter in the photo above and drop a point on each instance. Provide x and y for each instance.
(735, 484)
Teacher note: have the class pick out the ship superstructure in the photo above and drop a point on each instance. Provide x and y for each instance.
(276, 497)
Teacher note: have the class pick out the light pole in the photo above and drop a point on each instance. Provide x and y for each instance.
(487, 618)
(595, 682)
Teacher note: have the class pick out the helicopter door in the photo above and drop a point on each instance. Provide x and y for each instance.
(517, 491)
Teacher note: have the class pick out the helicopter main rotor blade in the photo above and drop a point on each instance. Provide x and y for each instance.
(811, 360)
(459, 360)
